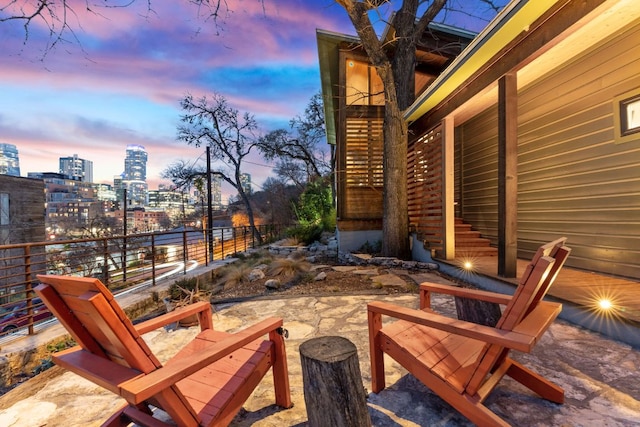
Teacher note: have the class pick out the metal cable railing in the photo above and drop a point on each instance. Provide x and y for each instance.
(120, 262)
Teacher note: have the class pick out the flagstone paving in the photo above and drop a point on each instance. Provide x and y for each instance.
(601, 377)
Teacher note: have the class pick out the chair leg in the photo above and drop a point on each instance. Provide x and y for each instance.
(375, 352)
(117, 419)
(543, 387)
(280, 371)
(127, 414)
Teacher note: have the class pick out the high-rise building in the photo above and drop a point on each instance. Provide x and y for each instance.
(216, 192)
(135, 163)
(9, 162)
(245, 181)
(77, 168)
(134, 176)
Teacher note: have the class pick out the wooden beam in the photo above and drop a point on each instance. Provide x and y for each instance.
(508, 175)
(448, 220)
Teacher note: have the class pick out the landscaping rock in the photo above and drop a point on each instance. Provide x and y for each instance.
(272, 284)
(321, 276)
(256, 275)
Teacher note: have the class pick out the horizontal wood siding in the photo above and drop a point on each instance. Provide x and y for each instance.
(477, 144)
(574, 180)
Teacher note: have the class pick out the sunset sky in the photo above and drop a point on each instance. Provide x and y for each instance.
(119, 77)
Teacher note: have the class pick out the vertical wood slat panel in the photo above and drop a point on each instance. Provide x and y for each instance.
(425, 187)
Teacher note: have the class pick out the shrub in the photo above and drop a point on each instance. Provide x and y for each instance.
(176, 291)
(236, 274)
(305, 233)
(289, 266)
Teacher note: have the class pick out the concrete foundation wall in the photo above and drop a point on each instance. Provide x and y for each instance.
(349, 241)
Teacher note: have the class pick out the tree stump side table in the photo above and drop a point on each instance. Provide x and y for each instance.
(333, 390)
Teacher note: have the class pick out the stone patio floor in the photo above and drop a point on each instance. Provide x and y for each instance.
(601, 377)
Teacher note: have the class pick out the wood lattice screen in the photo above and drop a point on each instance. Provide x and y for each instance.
(363, 174)
(425, 187)
(364, 152)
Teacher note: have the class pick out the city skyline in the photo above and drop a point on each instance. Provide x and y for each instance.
(120, 82)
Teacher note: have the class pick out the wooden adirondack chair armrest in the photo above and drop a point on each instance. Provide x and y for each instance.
(539, 320)
(427, 287)
(96, 369)
(201, 308)
(511, 339)
(139, 389)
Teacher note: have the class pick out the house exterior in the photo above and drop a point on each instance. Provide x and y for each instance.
(22, 220)
(354, 111)
(538, 119)
(533, 132)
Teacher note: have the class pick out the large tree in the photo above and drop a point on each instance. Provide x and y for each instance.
(395, 63)
(230, 137)
(299, 151)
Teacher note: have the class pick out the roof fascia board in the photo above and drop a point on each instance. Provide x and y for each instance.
(515, 18)
(328, 45)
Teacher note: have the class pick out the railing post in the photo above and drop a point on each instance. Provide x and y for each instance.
(235, 240)
(27, 277)
(222, 255)
(184, 251)
(253, 237)
(124, 259)
(105, 263)
(244, 234)
(153, 260)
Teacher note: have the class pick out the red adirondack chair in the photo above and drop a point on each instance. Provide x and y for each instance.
(204, 384)
(462, 362)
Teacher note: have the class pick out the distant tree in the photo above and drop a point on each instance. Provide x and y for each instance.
(299, 151)
(212, 122)
(277, 200)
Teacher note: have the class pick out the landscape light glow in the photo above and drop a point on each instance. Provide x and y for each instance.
(605, 304)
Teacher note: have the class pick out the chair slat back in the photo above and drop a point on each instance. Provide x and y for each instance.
(88, 310)
(534, 284)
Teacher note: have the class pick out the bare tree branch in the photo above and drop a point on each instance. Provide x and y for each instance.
(62, 18)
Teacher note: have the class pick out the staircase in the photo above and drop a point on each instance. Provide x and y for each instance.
(469, 243)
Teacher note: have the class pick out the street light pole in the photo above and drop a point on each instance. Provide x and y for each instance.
(209, 208)
(124, 239)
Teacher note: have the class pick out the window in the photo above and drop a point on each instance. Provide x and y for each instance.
(364, 86)
(627, 116)
(630, 116)
(4, 209)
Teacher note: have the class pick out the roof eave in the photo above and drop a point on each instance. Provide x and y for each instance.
(515, 18)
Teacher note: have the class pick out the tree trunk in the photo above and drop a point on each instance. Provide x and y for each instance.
(476, 311)
(247, 204)
(395, 221)
(333, 389)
